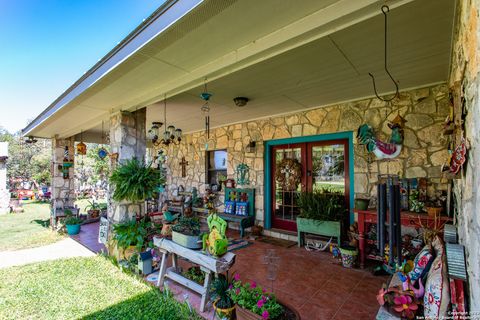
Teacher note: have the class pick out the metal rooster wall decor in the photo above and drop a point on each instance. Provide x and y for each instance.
(383, 150)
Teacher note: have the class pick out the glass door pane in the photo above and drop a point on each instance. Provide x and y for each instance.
(328, 167)
(285, 210)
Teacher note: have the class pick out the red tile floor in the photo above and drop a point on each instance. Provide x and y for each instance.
(312, 282)
(88, 237)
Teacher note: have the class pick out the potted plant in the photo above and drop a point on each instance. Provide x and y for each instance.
(186, 232)
(93, 209)
(130, 236)
(72, 223)
(223, 303)
(321, 213)
(252, 302)
(135, 181)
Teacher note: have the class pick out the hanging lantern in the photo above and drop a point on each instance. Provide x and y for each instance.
(102, 153)
(81, 149)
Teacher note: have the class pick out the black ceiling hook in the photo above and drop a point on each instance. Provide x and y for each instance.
(385, 10)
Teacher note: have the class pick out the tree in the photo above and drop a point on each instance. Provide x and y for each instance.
(27, 162)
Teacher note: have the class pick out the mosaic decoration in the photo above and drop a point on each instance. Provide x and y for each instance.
(289, 174)
(458, 157)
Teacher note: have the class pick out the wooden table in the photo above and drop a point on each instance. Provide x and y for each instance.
(410, 219)
(207, 263)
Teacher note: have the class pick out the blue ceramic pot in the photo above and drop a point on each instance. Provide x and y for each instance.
(73, 229)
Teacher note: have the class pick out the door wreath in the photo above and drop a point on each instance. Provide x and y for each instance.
(289, 174)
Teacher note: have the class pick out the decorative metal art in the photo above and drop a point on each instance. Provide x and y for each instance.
(243, 174)
(184, 165)
(289, 174)
(383, 150)
(171, 135)
(273, 263)
(385, 10)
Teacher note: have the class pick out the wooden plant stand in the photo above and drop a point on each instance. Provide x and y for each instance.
(207, 264)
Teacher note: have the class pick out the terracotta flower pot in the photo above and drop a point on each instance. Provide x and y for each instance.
(228, 313)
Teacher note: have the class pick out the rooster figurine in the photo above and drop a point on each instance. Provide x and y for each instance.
(383, 150)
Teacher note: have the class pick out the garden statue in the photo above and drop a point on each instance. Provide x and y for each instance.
(216, 241)
(383, 150)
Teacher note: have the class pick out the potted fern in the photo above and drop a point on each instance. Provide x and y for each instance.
(135, 181)
(321, 213)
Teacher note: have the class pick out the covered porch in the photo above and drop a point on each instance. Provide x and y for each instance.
(302, 76)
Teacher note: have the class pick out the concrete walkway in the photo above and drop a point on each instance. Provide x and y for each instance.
(66, 248)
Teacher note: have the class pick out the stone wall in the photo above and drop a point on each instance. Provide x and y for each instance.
(465, 75)
(62, 189)
(422, 156)
(127, 139)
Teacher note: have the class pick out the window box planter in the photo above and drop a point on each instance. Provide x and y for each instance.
(191, 242)
(318, 227)
(245, 314)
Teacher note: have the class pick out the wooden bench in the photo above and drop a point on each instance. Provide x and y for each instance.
(241, 195)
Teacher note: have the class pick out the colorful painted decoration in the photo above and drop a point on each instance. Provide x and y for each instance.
(458, 157)
(289, 174)
(102, 153)
(383, 150)
(216, 241)
(81, 149)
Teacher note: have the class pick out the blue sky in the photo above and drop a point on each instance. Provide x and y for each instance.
(46, 45)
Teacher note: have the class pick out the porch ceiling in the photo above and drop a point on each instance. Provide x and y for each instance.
(285, 56)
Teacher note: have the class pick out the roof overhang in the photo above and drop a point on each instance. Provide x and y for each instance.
(286, 56)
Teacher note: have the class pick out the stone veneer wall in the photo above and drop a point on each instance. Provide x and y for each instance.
(127, 138)
(422, 156)
(465, 73)
(62, 189)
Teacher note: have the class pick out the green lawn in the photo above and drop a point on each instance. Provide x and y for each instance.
(82, 288)
(83, 203)
(27, 229)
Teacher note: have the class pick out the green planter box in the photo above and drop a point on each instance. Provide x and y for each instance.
(322, 228)
(191, 242)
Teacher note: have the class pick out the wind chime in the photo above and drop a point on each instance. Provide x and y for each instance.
(206, 111)
(81, 149)
(388, 187)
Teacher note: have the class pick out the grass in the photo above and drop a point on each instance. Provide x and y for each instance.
(83, 203)
(27, 229)
(83, 288)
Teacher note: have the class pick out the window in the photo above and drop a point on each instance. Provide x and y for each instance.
(216, 164)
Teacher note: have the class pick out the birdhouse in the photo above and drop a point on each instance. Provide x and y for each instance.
(145, 262)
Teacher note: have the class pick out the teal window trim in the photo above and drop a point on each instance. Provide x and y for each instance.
(348, 135)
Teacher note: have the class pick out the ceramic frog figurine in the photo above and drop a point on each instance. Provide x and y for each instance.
(215, 242)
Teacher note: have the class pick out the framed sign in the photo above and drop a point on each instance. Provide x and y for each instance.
(103, 231)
